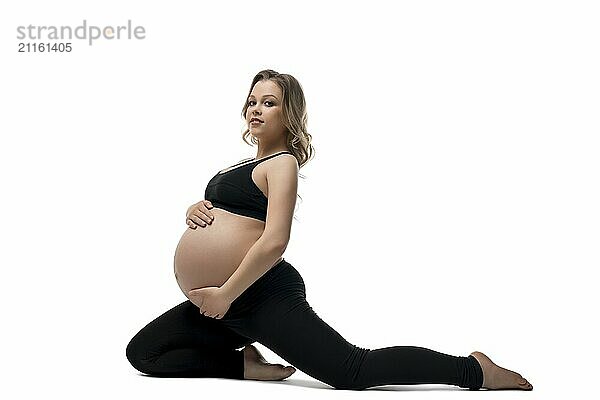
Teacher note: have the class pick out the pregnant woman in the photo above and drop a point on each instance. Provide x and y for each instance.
(229, 264)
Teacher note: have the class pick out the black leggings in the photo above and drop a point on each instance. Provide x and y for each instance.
(274, 312)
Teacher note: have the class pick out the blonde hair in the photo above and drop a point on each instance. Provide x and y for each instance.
(298, 140)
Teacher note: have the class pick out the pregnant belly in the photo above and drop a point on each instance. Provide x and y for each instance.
(208, 256)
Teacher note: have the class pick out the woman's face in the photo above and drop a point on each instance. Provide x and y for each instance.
(264, 103)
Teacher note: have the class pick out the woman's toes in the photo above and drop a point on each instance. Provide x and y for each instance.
(291, 369)
(524, 383)
(278, 371)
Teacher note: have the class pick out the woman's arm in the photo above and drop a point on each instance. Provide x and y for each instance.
(282, 184)
(258, 260)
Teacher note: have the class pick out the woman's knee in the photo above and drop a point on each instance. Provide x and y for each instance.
(346, 374)
(342, 382)
(136, 355)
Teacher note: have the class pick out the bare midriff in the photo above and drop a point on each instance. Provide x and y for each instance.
(208, 256)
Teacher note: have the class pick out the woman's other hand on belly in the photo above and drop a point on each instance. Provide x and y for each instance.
(211, 301)
(199, 214)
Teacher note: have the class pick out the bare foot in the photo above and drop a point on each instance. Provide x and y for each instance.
(495, 377)
(257, 368)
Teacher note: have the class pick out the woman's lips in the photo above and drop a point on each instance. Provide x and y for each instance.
(255, 122)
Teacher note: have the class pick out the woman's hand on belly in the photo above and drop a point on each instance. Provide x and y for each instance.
(211, 301)
(199, 214)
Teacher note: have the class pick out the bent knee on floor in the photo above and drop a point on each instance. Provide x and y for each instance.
(136, 358)
(345, 385)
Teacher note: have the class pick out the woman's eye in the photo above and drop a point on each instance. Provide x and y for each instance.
(252, 101)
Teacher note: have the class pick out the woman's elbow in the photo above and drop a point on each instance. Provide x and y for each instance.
(276, 244)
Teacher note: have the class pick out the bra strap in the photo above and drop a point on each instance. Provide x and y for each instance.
(273, 155)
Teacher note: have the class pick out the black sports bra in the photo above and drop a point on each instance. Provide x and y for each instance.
(235, 191)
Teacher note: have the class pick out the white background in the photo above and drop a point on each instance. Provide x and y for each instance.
(452, 202)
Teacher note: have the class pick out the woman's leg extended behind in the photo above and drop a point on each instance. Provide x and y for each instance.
(286, 324)
(184, 343)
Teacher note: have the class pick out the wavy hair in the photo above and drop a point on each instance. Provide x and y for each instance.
(294, 116)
